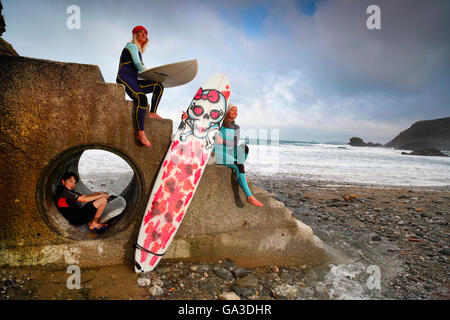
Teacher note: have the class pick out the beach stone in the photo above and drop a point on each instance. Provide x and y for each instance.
(144, 282)
(158, 282)
(285, 291)
(155, 291)
(240, 272)
(243, 291)
(247, 281)
(446, 251)
(199, 268)
(376, 238)
(272, 276)
(285, 276)
(224, 274)
(229, 296)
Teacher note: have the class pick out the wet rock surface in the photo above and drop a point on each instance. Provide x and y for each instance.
(402, 230)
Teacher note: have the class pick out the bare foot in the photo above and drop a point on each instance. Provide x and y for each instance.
(142, 138)
(252, 200)
(95, 225)
(153, 115)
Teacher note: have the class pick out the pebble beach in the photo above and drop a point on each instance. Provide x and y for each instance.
(399, 232)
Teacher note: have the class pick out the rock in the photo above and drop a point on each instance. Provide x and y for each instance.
(158, 282)
(376, 238)
(286, 277)
(423, 135)
(247, 281)
(144, 282)
(285, 291)
(161, 270)
(446, 251)
(240, 272)
(243, 291)
(229, 296)
(199, 268)
(155, 291)
(358, 142)
(430, 152)
(223, 274)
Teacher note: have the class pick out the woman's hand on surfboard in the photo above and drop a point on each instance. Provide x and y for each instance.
(218, 140)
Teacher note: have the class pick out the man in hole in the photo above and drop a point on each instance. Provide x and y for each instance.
(69, 202)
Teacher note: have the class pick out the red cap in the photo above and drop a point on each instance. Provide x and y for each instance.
(138, 28)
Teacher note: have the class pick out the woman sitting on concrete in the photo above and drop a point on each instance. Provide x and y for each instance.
(130, 65)
(232, 155)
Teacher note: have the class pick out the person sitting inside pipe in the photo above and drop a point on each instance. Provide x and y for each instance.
(131, 64)
(68, 203)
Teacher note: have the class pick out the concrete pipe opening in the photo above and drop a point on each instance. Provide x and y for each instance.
(100, 168)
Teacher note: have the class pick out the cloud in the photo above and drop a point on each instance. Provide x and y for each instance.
(308, 68)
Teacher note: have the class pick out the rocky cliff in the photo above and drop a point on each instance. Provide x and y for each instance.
(424, 135)
(5, 47)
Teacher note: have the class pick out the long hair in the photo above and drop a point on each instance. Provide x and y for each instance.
(230, 106)
(144, 45)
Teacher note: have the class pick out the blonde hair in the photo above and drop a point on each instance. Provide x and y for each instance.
(136, 42)
(225, 119)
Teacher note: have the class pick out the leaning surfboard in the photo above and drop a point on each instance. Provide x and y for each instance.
(173, 74)
(181, 171)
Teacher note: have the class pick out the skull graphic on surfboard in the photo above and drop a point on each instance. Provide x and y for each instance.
(181, 171)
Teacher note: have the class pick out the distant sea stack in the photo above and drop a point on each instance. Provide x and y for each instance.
(423, 135)
(358, 142)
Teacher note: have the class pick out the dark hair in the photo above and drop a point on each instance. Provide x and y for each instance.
(70, 174)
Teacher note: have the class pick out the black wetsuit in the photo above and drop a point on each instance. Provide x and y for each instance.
(135, 88)
(67, 204)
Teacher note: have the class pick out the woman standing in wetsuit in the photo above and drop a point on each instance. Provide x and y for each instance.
(229, 153)
(130, 65)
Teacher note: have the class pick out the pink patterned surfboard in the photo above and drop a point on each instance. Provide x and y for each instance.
(181, 171)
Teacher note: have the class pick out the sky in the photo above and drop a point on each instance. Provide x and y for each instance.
(308, 70)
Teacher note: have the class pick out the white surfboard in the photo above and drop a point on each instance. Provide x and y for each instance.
(181, 171)
(113, 208)
(172, 75)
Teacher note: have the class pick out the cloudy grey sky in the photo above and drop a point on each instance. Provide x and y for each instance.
(310, 68)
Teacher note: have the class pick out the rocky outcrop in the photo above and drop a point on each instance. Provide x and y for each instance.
(358, 142)
(424, 135)
(427, 152)
(2, 20)
(5, 47)
(50, 112)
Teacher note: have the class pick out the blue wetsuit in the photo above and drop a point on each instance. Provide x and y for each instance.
(130, 64)
(232, 155)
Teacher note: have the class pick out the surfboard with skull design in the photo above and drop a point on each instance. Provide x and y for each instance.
(181, 171)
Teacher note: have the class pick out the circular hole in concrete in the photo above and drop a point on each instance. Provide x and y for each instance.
(100, 168)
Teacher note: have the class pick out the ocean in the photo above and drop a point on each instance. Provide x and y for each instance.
(340, 163)
(333, 163)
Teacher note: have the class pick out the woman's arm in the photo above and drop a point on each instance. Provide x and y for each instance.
(92, 197)
(135, 56)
